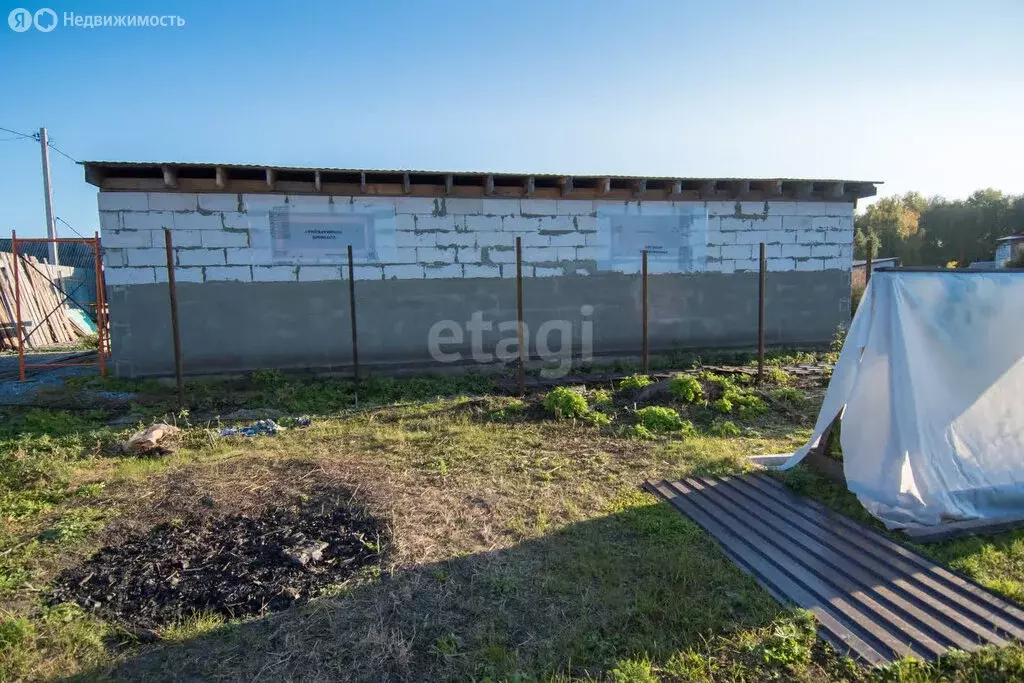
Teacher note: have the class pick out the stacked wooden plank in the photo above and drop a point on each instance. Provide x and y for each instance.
(44, 317)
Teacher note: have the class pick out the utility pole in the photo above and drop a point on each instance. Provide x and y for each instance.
(51, 226)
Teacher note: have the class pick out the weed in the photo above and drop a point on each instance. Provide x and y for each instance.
(634, 382)
(722, 405)
(600, 398)
(637, 432)
(686, 388)
(788, 395)
(597, 419)
(566, 403)
(724, 429)
(193, 627)
(633, 671)
(73, 525)
(511, 410)
(777, 376)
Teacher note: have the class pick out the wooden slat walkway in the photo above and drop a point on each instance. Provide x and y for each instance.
(874, 599)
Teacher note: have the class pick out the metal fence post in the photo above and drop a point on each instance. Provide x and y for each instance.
(173, 292)
(760, 315)
(355, 336)
(519, 314)
(644, 347)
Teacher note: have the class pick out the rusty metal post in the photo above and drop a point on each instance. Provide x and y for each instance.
(519, 313)
(643, 344)
(871, 258)
(100, 325)
(173, 292)
(760, 315)
(17, 305)
(355, 336)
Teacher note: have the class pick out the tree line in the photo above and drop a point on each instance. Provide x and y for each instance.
(936, 231)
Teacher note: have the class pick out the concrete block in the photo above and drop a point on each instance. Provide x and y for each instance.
(421, 205)
(540, 271)
(570, 239)
(810, 264)
(239, 256)
(428, 222)
(538, 207)
(598, 239)
(114, 258)
(519, 224)
(838, 263)
(737, 251)
(811, 208)
(238, 221)
(404, 238)
(751, 237)
(810, 236)
(721, 208)
(657, 208)
(781, 237)
(535, 254)
(825, 251)
(840, 209)
(183, 238)
(274, 273)
(219, 202)
(173, 201)
(405, 255)
(147, 257)
(201, 257)
(846, 252)
(508, 271)
(462, 206)
(796, 223)
(588, 253)
(471, 270)
(110, 220)
(752, 208)
(731, 224)
(826, 223)
(407, 272)
(717, 238)
(467, 255)
(368, 272)
(498, 239)
(223, 238)
(369, 204)
(565, 253)
(319, 273)
(727, 266)
(778, 265)
(840, 237)
(129, 239)
(768, 223)
(435, 255)
(457, 239)
(555, 223)
(405, 221)
(500, 255)
(198, 221)
(574, 207)
(713, 253)
(585, 223)
(501, 207)
(194, 274)
(796, 251)
(453, 270)
(782, 208)
(773, 251)
(482, 223)
(149, 220)
(748, 265)
(130, 276)
(228, 273)
(123, 201)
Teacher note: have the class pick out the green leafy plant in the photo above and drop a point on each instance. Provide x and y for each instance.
(777, 376)
(634, 382)
(511, 410)
(661, 419)
(637, 432)
(566, 403)
(747, 405)
(788, 395)
(600, 398)
(597, 419)
(726, 428)
(686, 388)
(722, 405)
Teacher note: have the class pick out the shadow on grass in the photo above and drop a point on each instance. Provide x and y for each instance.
(642, 580)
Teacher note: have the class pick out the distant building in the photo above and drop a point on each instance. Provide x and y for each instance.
(1008, 249)
(859, 273)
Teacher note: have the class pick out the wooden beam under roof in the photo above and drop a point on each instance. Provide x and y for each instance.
(271, 178)
(170, 176)
(220, 177)
(531, 185)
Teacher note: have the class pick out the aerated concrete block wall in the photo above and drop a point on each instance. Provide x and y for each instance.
(262, 277)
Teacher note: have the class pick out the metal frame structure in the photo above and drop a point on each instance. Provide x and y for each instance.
(100, 305)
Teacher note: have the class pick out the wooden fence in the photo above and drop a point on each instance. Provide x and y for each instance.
(44, 317)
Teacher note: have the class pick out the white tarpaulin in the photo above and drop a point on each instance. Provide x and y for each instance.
(932, 380)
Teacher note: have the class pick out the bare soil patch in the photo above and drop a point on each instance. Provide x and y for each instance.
(236, 565)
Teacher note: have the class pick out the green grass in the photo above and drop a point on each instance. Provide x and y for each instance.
(520, 547)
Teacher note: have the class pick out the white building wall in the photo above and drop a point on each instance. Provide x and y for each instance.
(221, 237)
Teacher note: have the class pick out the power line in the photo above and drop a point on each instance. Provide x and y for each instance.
(70, 226)
(10, 139)
(61, 152)
(24, 135)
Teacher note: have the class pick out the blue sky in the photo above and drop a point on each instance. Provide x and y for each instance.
(922, 95)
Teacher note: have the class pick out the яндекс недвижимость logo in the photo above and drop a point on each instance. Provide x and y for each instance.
(21, 20)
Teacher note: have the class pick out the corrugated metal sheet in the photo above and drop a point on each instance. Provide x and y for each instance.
(873, 598)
